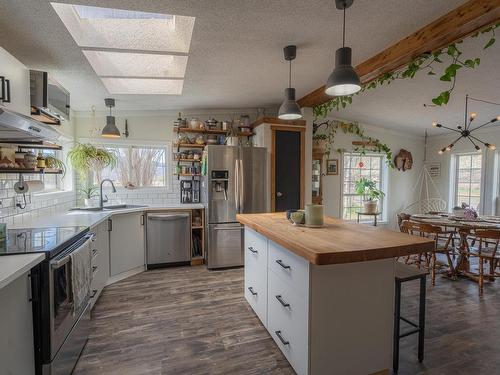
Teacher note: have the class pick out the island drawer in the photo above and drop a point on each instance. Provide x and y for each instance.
(291, 268)
(256, 289)
(288, 325)
(255, 247)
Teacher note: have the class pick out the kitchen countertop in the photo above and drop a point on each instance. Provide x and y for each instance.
(13, 266)
(91, 218)
(338, 241)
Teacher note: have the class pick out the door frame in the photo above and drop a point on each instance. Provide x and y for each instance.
(288, 128)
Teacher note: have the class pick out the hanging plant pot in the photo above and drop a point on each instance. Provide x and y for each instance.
(319, 145)
(370, 207)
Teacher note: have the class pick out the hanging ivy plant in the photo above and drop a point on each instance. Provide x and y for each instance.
(369, 144)
(425, 62)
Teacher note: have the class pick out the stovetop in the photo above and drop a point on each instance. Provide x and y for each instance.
(36, 240)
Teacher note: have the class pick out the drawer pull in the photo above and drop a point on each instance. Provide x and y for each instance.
(250, 289)
(282, 339)
(280, 300)
(94, 253)
(252, 250)
(94, 268)
(94, 292)
(280, 262)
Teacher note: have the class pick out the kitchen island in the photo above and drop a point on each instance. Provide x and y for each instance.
(325, 295)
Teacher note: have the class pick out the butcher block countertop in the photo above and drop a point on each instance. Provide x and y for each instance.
(338, 241)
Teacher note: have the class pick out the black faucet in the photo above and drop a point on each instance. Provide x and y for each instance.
(101, 200)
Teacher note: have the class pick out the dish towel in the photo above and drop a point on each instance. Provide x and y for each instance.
(81, 275)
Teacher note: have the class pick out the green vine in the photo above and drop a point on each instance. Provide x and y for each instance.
(370, 144)
(425, 62)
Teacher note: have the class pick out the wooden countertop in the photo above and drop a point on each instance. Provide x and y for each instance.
(338, 241)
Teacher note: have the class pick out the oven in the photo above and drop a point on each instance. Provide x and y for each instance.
(61, 328)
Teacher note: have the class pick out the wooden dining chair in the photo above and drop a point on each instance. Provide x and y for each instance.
(409, 227)
(487, 254)
(437, 234)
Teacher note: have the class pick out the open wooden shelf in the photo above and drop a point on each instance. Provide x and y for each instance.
(31, 171)
(38, 145)
(243, 134)
(196, 227)
(199, 131)
(189, 145)
(187, 174)
(187, 160)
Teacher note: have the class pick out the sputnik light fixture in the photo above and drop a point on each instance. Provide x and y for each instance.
(290, 110)
(466, 130)
(344, 80)
(110, 130)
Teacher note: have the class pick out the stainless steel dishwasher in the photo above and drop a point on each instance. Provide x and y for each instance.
(168, 239)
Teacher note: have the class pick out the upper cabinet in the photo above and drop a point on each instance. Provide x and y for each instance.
(14, 84)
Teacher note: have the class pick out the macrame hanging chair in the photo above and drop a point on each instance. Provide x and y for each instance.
(428, 198)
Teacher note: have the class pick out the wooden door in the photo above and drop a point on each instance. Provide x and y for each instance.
(287, 168)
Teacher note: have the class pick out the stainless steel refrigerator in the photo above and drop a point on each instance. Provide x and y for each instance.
(236, 182)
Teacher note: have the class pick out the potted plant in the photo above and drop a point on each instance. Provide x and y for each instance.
(371, 195)
(319, 142)
(85, 157)
(88, 193)
(55, 163)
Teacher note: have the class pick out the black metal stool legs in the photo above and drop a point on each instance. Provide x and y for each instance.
(421, 320)
(397, 324)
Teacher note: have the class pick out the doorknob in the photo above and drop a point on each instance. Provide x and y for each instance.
(279, 194)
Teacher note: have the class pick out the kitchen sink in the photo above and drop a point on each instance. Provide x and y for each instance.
(108, 208)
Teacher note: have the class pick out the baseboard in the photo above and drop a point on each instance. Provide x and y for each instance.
(383, 372)
(124, 275)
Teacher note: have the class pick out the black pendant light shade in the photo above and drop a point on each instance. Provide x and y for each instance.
(290, 110)
(110, 130)
(344, 80)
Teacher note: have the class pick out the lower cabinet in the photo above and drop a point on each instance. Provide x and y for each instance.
(126, 240)
(100, 259)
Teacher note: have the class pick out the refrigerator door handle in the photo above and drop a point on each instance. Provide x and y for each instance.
(242, 187)
(236, 186)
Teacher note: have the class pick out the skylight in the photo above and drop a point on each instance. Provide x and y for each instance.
(143, 86)
(123, 64)
(124, 29)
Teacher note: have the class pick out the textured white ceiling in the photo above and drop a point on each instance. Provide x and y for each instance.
(236, 57)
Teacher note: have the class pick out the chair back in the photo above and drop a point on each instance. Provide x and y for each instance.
(486, 236)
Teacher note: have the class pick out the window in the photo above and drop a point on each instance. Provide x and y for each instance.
(354, 167)
(468, 179)
(138, 166)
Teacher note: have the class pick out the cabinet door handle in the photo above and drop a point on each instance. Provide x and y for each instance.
(110, 225)
(282, 339)
(142, 219)
(7, 97)
(252, 250)
(94, 292)
(250, 289)
(280, 262)
(282, 301)
(2, 87)
(94, 253)
(94, 268)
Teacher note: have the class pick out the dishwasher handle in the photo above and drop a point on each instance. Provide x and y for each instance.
(168, 217)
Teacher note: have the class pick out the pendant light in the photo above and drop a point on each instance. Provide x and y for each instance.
(290, 110)
(110, 130)
(344, 80)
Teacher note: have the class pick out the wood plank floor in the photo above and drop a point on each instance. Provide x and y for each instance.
(191, 321)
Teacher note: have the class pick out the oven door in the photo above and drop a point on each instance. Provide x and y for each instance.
(62, 316)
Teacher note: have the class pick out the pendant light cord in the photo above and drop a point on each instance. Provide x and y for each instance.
(343, 30)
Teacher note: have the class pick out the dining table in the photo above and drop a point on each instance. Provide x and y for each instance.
(464, 227)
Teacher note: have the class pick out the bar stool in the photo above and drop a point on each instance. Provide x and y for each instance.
(403, 273)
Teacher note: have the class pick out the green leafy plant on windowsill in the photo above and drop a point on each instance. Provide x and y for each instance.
(370, 144)
(89, 192)
(425, 62)
(368, 189)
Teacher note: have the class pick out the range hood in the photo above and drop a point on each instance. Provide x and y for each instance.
(15, 127)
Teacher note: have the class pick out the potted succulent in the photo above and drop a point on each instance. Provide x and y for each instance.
(88, 193)
(371, 195)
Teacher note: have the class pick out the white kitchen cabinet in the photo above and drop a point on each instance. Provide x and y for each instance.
(100, 259)
(16, 327)
(126, 241)
(19, 80)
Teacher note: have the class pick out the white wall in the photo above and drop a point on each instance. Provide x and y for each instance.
(400, 184)
(490, 190)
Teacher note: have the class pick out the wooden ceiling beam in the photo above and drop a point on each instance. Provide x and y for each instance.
(461, 22)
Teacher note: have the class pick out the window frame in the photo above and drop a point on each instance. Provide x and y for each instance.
(383, 207)
(167, 146)
(454, 168)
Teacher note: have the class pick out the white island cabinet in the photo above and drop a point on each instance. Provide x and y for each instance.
(100, 259)
(126, 241)
(326, 295)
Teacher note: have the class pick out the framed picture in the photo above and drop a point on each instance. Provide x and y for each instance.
(332, 166)
(434, 169)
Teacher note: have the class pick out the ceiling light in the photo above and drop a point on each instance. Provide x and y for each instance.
(144, 86)
(110, 130)
(99, 27)
(344, 80)
(126, 64)
(466, 130)
(290, 110)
